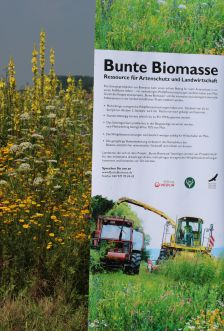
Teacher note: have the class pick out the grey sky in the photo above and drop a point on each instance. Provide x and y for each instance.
(69, 25)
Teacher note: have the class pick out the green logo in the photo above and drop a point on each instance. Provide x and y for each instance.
(189, 182)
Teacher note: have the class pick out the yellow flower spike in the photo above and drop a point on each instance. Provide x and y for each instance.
(52, 57)
(11, 73)
(42, 49)
(34, 62)
(42, 61)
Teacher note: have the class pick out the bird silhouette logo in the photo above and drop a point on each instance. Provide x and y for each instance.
(213, 179)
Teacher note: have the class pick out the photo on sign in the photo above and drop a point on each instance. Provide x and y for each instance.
(176, 26)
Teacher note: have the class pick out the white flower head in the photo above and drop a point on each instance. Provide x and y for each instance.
(51, 116)
(25, 145)
(24, 167)
(182, 7)
(3, 183)
(38, 161)
(37, 136)
(53, 129)
(14, 148)
(161, 2)
(52, 161)
(50, 107)
(25, 116)
(57, 187)
(38, 181)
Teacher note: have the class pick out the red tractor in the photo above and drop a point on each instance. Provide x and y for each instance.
(123, 243)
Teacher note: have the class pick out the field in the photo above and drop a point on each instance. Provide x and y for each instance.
(45, 174)
(179, 26)
(184, 295)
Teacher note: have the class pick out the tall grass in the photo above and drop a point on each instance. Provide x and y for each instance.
(160, 301)
(197, 269)
(45, 314)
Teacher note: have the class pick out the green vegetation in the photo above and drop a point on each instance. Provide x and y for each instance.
(192, 300)
(87, 81)
(180, 26)
(124, 210)
(100, 206)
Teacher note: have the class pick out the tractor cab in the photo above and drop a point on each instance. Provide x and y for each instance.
(189, 231)
(114, 230)
(123, 243)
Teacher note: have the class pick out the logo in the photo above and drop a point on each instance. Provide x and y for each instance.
(212, 182)
(189, 182)
(213, 179)
(164, 183)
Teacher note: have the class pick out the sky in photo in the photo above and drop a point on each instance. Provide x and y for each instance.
(69, 25)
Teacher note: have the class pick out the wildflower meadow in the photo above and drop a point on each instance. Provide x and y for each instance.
(183, 295)
(179, 26)
(45, 173)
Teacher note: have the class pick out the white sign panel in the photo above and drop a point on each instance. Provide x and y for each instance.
(158, 135)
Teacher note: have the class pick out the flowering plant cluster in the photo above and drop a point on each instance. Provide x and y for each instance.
(45, 163)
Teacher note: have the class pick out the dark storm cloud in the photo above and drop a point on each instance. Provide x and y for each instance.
(69, 25)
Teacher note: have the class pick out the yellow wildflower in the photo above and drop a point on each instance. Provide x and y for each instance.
(26, 226)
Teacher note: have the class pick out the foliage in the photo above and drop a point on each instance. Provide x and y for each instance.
(179, 26)
(100, 206)
(96, 256)
(123, 210)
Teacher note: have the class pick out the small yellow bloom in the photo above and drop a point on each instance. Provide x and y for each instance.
(26, 226)
(51, 234)
(2, 84)
(49, 245)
